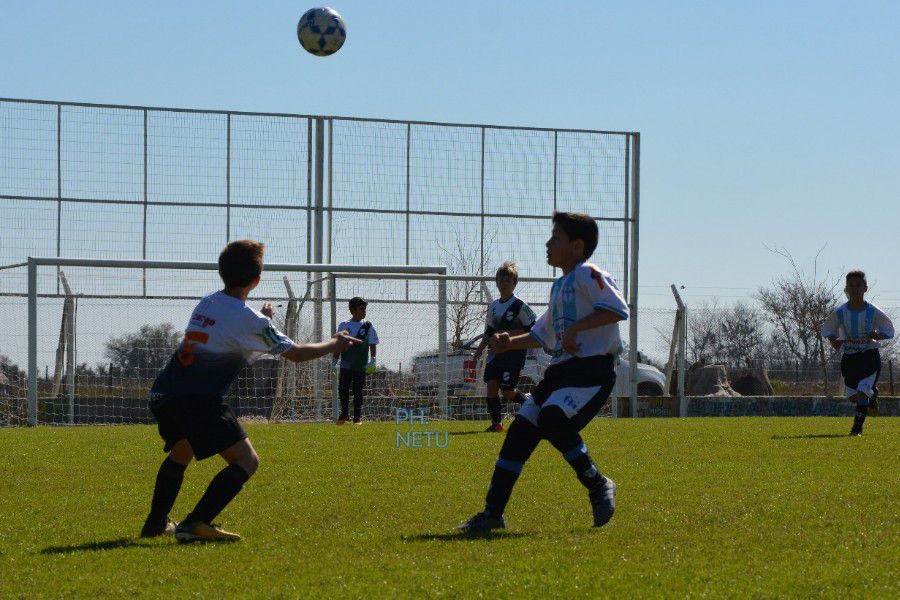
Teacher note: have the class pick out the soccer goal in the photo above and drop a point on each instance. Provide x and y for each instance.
(100, 330)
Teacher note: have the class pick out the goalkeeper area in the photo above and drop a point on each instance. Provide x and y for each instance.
(795, 509)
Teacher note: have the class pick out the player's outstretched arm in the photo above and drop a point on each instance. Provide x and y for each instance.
(502, 342)
(340, 342)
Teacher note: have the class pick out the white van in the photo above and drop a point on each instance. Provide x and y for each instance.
(464, 375)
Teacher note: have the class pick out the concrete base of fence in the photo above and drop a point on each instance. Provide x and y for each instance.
(134, 410)
(755, 406)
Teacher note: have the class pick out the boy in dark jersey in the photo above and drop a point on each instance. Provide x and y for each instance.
(355, 363)
(187, 399)
(511, 314)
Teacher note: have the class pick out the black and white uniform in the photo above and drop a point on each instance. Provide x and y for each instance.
(579, 384)
(507, 315)
(860, 358)
(187, 398)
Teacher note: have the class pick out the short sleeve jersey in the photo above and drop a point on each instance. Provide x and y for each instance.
(356, 357)
(574, 296)
(513, 313)
(854, 325)
(223, 335)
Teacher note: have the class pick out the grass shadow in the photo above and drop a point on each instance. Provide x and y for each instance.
(455, 536)
(811, 436)
(124, 542)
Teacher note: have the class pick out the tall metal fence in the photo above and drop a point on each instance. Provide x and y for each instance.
(153, 183)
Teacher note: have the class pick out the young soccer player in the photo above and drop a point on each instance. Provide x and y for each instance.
(187, 398)
(855, 328)
(355, 363)
(581, 330)
(510, 314)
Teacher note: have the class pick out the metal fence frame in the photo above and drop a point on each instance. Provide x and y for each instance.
(319, 162)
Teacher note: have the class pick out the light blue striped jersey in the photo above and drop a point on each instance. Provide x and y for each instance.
(856, 326)
(574, 296)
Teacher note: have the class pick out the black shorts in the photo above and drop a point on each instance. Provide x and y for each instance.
(861, 368)
(209, 427)
(579, 387)
(506, 374)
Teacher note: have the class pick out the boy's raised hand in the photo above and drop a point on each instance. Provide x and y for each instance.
(344, 341)
(268, 310)
(499, 342)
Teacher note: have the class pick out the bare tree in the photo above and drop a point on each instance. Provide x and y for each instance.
(742, 336)
(797, 305)
(464, 298)
(704, 333)
(734, 336)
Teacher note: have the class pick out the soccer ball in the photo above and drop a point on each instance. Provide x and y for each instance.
(321, 31)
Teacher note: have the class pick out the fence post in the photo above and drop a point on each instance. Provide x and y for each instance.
(442, 349)
(32, 342)
(319, 229)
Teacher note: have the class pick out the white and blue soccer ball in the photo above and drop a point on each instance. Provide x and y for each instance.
(321, 31)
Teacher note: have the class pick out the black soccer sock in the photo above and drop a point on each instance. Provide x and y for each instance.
(222, 490)
(561, 432)
(861, 411)
(520, 442)
(584, 466)
(357, 399)
(168, 484)
(344, 393)
(493, 405)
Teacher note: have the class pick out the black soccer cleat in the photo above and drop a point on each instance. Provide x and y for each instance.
(153, 529)
(856, 431)
(482, 523)
(495, 428)
(603, 501)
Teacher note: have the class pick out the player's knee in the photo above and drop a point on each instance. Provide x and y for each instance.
(509, 395)
(251, 463)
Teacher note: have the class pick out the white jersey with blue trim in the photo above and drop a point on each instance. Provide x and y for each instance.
(222, 336)
(854, 326)
(574, 296)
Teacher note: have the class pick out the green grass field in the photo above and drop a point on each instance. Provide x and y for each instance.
(751, 507)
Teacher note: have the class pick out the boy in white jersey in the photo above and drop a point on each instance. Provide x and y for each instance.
(510, 314)
(855, 328)
(355, 363)
(187, 398)
(580, 329)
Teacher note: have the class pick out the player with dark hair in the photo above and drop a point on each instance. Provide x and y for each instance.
(580, 329)
(855, 328)
(355, 363)
(187, 399)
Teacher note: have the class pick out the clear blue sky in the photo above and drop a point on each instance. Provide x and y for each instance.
(762, 122)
